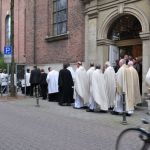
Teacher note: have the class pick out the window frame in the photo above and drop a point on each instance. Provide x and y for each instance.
(57, 23)
(8, 30)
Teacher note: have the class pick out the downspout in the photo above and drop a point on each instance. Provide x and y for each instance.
(34, 34)
(1, 24)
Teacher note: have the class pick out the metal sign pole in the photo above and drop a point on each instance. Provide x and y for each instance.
(124, 121)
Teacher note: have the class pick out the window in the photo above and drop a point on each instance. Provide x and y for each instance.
(59, 17)
(7, 30)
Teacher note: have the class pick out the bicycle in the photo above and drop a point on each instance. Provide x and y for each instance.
(134, 138)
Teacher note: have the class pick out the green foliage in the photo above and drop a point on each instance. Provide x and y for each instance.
(3, 65)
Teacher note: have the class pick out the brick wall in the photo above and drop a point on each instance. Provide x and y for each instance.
(19, 27)
(43, 52)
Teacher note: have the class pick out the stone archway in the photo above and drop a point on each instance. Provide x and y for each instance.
(102, 33)
(103, 42)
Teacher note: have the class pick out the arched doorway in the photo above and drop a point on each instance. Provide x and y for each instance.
(125, 33)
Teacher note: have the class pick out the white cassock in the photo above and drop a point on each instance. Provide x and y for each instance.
(4, 79)
(99, 89)
(52, 80)
(147, 79)
(91, 99)
(110, 79)
(124, 84)
(81, 87)
(27, 78)
(72, 72)
(135, 91)
(0, 79)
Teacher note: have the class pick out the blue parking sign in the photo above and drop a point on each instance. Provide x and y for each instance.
(8, 50)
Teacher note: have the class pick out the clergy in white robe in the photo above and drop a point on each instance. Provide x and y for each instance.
(124, 84)
(81, 87)
(91, 103)
(110, 79)
(52, 80)
(135, 90)
(147, 80)
(99, 89)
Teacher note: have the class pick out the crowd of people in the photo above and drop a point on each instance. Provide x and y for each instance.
(97, 89)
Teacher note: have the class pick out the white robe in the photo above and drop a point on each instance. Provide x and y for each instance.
(99, 89)
(27, 79)
(147, 79)
(72, 72)
(4, 79)
(136, 88)
(124, 84)
(91, 99)
(52, 80)
(81, 87)
(110, 79)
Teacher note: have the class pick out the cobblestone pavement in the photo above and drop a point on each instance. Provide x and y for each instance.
(51, 127)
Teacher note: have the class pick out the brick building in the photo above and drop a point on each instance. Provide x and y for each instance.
(46, 32)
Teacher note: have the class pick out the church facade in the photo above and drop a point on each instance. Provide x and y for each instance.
(55, 31)
(117, 27)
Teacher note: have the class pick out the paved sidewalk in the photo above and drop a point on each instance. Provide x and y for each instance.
(52, 127)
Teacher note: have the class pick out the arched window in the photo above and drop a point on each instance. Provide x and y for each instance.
(7, 30)
(125, 27)
(60, 16)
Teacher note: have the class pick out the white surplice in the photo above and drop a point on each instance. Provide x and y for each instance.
(110, 79)
(136, 88)
(99, 89)
(124, 84)
(81, 87)
(52, 80)
(147, 79)
(91, 99)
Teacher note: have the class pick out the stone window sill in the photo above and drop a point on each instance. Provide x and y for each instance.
(57, 37)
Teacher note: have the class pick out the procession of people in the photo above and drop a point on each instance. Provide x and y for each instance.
(96, 90)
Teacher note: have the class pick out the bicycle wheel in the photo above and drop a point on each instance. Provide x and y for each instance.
(133, 139)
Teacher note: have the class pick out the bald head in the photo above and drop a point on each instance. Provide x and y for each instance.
(130, 63)
(107, 64)
(122, 62)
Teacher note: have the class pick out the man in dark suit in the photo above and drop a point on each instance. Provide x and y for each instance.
(34, 79)
(43, 84)
(65, 84)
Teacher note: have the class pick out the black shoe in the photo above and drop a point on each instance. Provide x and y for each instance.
(62, 104)
(89, 110)
(129, 115)
(75, 107)
(68, 104)
(114, 113)
(103, 111)
(84, 107)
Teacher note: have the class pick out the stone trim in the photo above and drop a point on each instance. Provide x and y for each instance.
(105, 42)
(93, 15)
(145, 35)
(57, 37)
(102, 33)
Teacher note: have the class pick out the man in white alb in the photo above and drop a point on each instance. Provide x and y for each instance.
(110, 79)
(99, 89)
(81, 87)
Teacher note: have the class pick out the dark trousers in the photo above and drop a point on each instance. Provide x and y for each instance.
(43, 91)
(4, 89)
(53, 97)
(32, 88)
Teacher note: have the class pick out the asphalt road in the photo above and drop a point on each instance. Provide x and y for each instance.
(51, 127)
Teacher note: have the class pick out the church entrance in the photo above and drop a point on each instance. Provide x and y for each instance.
(124, 32)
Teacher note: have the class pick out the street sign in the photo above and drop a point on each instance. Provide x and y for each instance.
(7, 54)
(8, 50)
